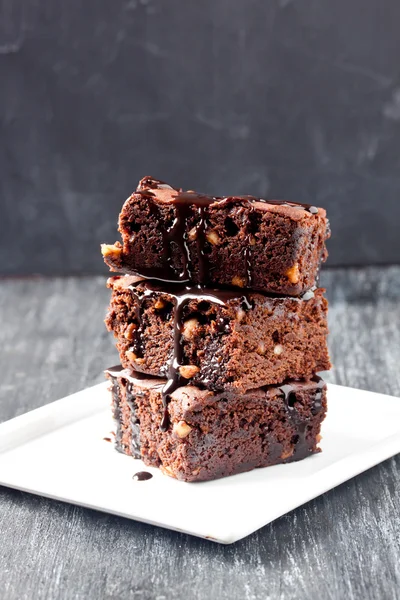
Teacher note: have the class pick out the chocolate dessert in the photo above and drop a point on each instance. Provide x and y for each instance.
(220, 327)
(266, 245)
(216, 434)
(219, 339)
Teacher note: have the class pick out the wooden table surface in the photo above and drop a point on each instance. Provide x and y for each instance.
(342, 545)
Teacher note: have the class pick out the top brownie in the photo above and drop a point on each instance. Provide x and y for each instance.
(265, 245)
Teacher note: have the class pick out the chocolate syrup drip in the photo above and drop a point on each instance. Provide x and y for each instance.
(182, 295)
(137, 344)
(289, 394)
(191, 207)
(187, 205)
(317, 406)
(142, 476)
(120, 371)
(174, 376)
(115, 371)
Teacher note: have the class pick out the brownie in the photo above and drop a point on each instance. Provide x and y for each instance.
(214, 435)
(219, 339)
(266, 245)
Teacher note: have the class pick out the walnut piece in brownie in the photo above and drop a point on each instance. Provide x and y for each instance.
(214, 435)
(218, 339)
(266, 245)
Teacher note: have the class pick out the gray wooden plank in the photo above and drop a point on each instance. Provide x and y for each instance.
(345, 544)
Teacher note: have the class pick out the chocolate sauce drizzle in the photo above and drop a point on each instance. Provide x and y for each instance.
(188, 206)
(182, 295)
(190, 224)
(142, 476)
(289, 394)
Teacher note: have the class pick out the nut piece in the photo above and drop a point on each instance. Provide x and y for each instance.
(111, 250)
(192, 235)
(181, 429)
(287, 454)
(278, 349)
(293, 274)
(318, 438)
(129, 331)
(188, 371)
(238, 281)
(132, 357)
(159, 304)
(252, 240)
(189, 328)
(213, 237)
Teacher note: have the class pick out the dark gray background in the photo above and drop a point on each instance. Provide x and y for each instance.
(286, 98)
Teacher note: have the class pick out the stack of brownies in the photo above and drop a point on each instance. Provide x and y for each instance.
(220, 328)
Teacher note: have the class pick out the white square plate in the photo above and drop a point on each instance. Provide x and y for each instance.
(59, 451)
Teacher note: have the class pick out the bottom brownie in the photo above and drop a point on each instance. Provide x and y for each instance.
(216, 434)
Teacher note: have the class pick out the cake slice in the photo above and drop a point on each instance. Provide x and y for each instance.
(212, 435)
(267, 245)
(218, 339)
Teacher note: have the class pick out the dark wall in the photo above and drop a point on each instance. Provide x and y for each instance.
(286, 98)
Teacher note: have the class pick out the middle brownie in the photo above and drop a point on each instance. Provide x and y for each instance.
(218, 339)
